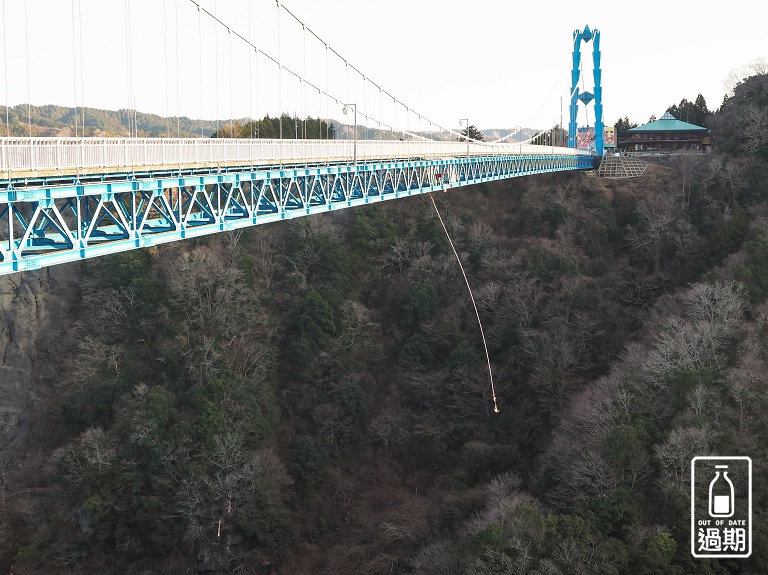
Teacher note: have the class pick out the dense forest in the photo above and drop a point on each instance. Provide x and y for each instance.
(312, 397)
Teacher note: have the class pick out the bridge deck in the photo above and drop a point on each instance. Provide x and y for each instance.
(46, 158)
(53, 215)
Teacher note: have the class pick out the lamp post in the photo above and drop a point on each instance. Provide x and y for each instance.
(354, 107)
(466, 123)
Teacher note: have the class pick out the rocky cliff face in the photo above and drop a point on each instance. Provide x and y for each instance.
(33, 311)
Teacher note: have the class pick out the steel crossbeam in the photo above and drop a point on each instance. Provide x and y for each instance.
(53, 224)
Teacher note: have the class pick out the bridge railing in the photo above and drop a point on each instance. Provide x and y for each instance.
(22, 157)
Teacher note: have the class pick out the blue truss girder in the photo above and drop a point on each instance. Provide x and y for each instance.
(49, 225)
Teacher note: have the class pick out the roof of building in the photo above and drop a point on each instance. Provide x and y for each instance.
(668, 123)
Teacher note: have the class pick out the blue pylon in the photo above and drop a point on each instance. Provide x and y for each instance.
(586, 35)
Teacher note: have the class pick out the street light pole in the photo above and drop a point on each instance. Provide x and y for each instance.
(354, 107)
(466, 123)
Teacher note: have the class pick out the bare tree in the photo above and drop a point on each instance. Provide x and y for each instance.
(657, 211)
(675, 454)
(754, 131)
(736, 76)
(721, 303)
(439, 558)
(388, 427)
(723, 181)
(523, 298)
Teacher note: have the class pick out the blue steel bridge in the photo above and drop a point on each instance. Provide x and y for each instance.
(63, 200)
(69, 199)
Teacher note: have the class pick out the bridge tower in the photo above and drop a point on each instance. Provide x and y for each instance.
(586, 97)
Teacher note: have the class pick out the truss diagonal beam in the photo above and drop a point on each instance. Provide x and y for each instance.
(49, 225)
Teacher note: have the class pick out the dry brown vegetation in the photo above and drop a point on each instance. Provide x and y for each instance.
(313, 397)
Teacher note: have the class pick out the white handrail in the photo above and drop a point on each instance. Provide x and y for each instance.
(61, 154)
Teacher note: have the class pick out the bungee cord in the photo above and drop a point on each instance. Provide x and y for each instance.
(474, 305)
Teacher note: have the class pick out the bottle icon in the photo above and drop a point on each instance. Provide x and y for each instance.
(721, 493)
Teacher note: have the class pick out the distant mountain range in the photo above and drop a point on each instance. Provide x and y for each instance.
(61, 121)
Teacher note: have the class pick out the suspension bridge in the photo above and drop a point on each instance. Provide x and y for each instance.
(65, 199)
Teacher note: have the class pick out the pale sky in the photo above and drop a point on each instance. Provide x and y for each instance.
(499, 63)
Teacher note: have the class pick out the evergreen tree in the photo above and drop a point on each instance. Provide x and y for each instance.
(473, 133)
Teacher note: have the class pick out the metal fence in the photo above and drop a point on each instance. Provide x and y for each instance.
(29, 155)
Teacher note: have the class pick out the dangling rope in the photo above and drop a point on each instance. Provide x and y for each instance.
(472, 297)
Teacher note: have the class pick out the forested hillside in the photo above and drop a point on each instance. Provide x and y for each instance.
(61, 121)
(312, 397)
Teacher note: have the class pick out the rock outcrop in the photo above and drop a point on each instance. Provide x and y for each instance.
(33, 310)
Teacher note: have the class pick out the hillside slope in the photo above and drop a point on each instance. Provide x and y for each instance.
(313, 397)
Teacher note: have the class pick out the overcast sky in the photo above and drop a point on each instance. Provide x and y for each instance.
(499, 63)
